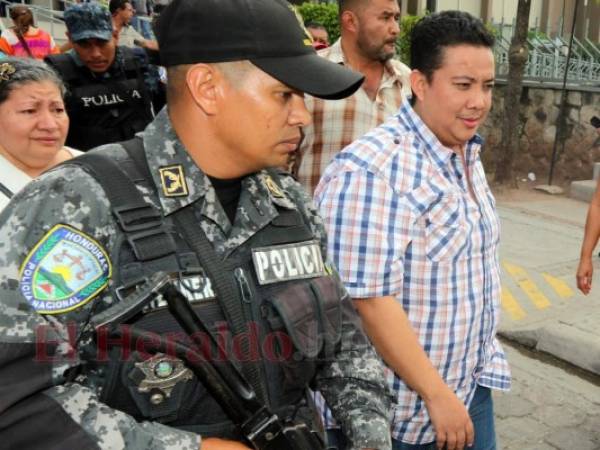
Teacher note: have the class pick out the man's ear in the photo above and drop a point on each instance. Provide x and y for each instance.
(418, 84)
(203, 81)
(349, 21)
(115, 35)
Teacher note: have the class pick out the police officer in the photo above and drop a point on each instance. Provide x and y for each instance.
(208, 206)
(112, 90)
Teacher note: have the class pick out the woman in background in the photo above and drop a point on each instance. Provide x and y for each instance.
(33, 123)
(24, 39)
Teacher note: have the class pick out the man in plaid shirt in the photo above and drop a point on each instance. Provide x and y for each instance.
(414, 232)
(369, 29)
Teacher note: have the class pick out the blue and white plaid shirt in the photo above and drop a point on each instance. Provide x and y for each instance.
(401, 222)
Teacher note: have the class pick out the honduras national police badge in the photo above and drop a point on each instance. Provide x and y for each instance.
(65, 270)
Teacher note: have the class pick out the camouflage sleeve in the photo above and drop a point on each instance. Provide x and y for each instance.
(353, 381)
(40, 404)
(354, 386)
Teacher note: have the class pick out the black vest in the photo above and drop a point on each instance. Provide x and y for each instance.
(104, 111)
(290, 327)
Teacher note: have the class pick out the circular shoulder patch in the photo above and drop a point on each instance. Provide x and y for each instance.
(64, 271)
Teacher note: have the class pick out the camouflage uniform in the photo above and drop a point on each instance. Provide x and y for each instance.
(66, 405)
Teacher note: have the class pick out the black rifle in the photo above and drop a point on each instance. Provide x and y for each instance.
(261, 427)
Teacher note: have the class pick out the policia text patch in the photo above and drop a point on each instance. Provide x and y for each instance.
(288, 262)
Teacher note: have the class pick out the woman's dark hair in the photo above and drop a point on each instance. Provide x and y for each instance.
(436, 31)
(23, 19)
(16, 72)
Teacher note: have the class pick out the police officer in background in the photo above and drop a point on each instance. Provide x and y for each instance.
(112, 90)
(79, 242)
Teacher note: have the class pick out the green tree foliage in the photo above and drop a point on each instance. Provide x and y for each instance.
(324, 13)
(327, 14)
(403, 42)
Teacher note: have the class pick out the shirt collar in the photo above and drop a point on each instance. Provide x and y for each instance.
(335, 53)
(439, 153)
(165, 150)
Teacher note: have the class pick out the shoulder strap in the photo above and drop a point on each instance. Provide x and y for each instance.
(227, 290)
(22, 40)
(64, 65)
(6, 191)
(134, 148)
(142, 223)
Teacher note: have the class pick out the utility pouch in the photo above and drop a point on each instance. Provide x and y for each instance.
(307, 317)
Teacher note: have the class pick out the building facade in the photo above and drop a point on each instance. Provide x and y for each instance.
(553, 17)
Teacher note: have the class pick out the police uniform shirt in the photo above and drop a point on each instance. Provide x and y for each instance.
(68, 200)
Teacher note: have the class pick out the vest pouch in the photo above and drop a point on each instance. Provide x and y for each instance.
(294, 310)
(329, 292)
(309, 315)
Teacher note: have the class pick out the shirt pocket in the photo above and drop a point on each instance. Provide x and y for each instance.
(445, 230)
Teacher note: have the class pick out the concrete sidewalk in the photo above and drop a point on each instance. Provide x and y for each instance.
(542, 307)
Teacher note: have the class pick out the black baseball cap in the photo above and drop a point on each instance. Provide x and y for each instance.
(268, 33)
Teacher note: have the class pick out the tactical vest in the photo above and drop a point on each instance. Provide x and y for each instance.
(291, 317)
(103, 111)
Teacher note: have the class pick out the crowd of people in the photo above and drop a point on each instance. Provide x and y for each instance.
(113, 89)
(363, 319)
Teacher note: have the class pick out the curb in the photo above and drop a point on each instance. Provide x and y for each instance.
(583, 190)
(575, 346)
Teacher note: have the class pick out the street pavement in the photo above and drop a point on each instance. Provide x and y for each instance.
(548, 408)
(539, 253)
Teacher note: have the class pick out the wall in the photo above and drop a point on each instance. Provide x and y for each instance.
(549, 16)
(539, 115)
(506, 11)
(471, 6)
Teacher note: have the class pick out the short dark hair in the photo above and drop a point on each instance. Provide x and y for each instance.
(314, 24)
(345, 5)
(116, 5)
(443, 29)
